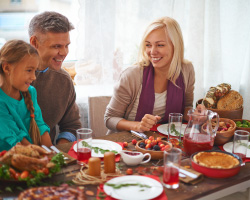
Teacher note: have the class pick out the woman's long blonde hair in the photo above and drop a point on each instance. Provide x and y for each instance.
(13, 52)
(173, 30)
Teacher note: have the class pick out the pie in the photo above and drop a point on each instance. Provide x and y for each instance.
(216, 160)
(53, 192)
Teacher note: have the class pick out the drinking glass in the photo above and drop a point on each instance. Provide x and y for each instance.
(174, 126)
(172, 161)
(240, 143)
(84, 145)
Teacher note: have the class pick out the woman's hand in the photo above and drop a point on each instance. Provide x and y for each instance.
(200, 114)
(147, 122)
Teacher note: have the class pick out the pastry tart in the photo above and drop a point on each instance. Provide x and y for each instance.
(52, 193)
(216, 160)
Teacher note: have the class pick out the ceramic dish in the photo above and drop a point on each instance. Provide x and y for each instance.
(215, 172)
(164, 129)
(103, 144)
(134, 192)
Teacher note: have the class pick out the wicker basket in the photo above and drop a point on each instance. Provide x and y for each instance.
(230, 114)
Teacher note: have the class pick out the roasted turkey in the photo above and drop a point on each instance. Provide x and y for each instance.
(29, 157)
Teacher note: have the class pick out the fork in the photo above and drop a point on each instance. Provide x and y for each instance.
(55, 149)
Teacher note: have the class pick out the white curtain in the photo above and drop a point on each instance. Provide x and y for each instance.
(216, 36)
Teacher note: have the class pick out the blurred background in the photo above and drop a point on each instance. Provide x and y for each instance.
(108, 32)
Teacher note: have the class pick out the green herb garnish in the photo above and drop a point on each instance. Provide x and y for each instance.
(244, 144)
(118, 186)
(173, 130)
(97, 149)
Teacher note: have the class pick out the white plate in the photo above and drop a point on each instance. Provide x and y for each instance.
(229, 148)
(134, 192)
(103, 144)
(164, 129)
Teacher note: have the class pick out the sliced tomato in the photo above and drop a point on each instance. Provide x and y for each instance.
(24, 174)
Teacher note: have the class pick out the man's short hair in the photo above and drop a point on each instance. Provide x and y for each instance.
(49, 22)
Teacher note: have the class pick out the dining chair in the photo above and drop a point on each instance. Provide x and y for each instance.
(97, 108)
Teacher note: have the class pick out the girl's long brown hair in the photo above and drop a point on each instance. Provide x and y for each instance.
(12, 52)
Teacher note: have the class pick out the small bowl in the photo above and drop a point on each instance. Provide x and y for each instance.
(242, 128)
(225, 136)
(155, 155)
(230, 114)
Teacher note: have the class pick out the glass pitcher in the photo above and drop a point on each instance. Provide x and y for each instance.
(200, 133)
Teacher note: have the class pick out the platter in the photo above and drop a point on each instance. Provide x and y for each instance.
(164, 129)
(134, 192)
(103, 144)
(229, 148)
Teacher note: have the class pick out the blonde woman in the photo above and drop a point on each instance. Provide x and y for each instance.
(20, 115)
(162, 82)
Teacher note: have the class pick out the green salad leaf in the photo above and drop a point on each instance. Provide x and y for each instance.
(97, 149)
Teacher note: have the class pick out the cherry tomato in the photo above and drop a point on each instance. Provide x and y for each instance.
(24, 174)
(153, 143)
(158, 139)
(167, 147)
(148, 146)
(17, 175)
(134, 141)
(151, 137)
(12, 172)
(149, 142)
(125, 144)
(129, 171)
(45, 171)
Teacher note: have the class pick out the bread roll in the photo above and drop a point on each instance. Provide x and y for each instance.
(94, 166)
(231, 101)
(109, 162)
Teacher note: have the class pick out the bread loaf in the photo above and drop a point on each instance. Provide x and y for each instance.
(231, 101)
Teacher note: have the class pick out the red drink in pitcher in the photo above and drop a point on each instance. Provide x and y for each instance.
(83, 155)
(171, 177)
(201, 143)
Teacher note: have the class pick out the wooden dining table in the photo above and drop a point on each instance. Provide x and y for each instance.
(208, 188)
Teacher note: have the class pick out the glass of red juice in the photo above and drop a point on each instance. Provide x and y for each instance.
(84, 145)
(172, 161)
(240, 143)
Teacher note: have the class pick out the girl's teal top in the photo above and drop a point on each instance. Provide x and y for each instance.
(15, 119)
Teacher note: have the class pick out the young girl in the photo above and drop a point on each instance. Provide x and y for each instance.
(20, 115)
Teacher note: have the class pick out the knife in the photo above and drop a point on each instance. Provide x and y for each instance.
(46, 148)
(188, 173)
(139, 134)
(58, 151)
